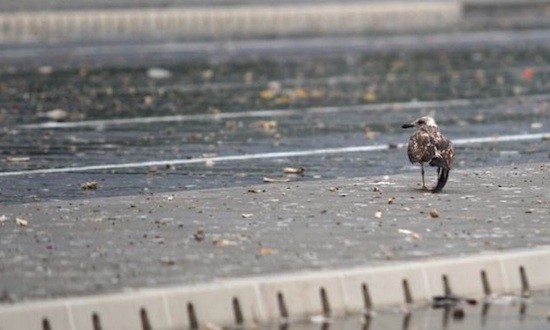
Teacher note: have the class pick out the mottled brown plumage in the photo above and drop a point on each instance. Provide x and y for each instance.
(429, 145)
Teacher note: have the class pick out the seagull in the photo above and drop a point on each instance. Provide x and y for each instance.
(429, 145)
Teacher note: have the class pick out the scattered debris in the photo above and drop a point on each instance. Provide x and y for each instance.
(3, 218)
(378, 214)
(58, 115)
(158, 73)
(333, 189)
(458, 314)
(376, 189)
(434, 213)
(528, 73)
(207, 74)
(247, 215)
(536, 125)
(21, 222)
(11, 159)
(211, 326)
(388, 253)
(199, 234)
(222, 242)
(410, 233)
(265, 125)
(369, 133)
(274, 89)
(45, 70)
(369, 95)
(294, 170)
(265, 251)
(209, 163)
(248, 77)
(255, 191)
(148, 100)
(167, 261)
(320, 319)
(275, 180)
(391, 200)
(89, 185)
(451, 301)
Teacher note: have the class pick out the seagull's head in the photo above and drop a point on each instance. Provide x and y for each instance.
(425, 121)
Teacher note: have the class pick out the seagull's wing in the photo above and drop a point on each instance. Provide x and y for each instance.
(420, 148)
(445, 151)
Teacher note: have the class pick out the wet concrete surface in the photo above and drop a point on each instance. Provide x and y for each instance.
(181, 224)
(124, 115)
(97, 245)
(492, 313)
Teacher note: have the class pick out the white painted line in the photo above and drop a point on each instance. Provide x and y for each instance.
(281, 154)
(247, 114)
(503, 138)
(413, 105)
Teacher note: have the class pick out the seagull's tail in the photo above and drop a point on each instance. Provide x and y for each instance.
(441, 181)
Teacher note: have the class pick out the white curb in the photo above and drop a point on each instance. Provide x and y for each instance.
(265, 299)
(226, 22)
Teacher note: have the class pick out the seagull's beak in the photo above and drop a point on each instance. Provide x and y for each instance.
(407, 126)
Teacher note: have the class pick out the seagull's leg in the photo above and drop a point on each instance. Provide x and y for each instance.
(423, 180)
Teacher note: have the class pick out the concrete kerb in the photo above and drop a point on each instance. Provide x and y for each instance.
(219, 22)
(279, 298)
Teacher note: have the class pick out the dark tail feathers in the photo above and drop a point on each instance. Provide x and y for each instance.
(441, 181)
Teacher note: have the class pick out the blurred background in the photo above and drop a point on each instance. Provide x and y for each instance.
(148, 96)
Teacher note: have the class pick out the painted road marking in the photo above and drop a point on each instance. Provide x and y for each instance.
(414, 105)
(282, 154)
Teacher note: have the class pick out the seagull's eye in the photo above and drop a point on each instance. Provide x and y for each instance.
(421, 122)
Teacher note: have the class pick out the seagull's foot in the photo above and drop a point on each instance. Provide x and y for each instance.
(424, 188)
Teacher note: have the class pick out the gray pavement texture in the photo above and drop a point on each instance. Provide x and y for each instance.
(82, 247)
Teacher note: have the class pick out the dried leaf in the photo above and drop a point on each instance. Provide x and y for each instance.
(266, 125)
(275, 180)
(410, 233)
(199, 234)
(265, 251)
(22, 159)
(222, 242)
(434, 213)
(21, 222)
(294, 170)
(89, 185)
(158, 73)
(57, 115)
(45, 70)
(255, 191)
